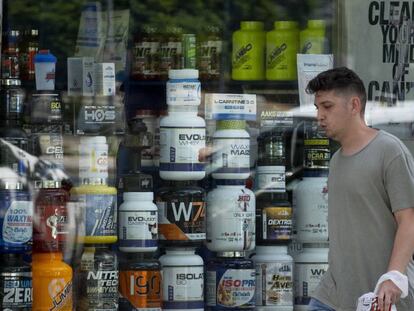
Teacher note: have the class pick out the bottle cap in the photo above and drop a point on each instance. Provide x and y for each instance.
(44, 56)
(139, 196)
(183, 74)
(286, 25)
(251, 25)
(316, 23)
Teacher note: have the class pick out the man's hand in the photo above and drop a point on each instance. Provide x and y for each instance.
(388, 294)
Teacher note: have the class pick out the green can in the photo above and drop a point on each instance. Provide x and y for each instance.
(189, 50)
(282, 45)
(248, 57)
(313, 38)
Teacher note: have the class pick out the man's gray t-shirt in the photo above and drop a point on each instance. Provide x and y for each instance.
(364, 191)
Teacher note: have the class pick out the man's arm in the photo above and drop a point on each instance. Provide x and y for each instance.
(402, 252)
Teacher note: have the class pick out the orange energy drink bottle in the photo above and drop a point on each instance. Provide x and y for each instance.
(139, 283)
(52, 283)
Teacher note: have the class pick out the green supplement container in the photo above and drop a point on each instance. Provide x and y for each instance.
(248, 55)
(312, 39)
(282, 45)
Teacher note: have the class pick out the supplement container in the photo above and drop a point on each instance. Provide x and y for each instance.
(248, 56)
(230, 282)
(183, 280)
(310, 266)
(231, 150)
(231, 217)
(182, 132)
(311, 207)
(274, 278)
(282, 45)
(138, 223)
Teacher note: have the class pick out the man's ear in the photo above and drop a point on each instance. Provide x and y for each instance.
(356, 105)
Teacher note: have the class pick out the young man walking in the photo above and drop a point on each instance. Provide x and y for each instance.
(371, 200)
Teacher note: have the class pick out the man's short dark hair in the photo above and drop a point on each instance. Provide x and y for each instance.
(339, 79)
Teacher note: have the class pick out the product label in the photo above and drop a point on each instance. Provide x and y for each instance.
(183, 287)
(274, 284)
(14, 99)
(276, 57)
(138, 228)
(60, 293)
(243, 56)
(16, 291)
(171, 55)
(275, 118)
(51, 148)
(277, 223)
(101, 218)
(231, 288)
(231, 155)
(317, 157)
(188, 93)
(145, 57)
(209, 57)
(312, 214)
(50, 225)
(93, 162)
(140, 290)
(230, 106)
(273, 180)
(182, 220)
(17, 222)
(307, 278)
(99, 283)
(102, 114)
(232, 222)
(180, 147)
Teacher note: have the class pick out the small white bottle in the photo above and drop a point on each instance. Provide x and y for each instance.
(138, 223)
(183, 280)
(182, 132)
(231, 145)
(274, 278)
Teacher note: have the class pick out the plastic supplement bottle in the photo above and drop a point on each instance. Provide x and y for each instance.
(230, 282)
(231, 145)
(311, 204)
(15, 283)
(313, 39)
(15, 200)
(98, 279)
(231, 217)
(248, 57)
(138, 223)
(310, 266)
(181, 211)
(52, 282)
(139, 283)
(183, 280)
(282, 45)
(273, 218)
(274, 278)
(182, 132)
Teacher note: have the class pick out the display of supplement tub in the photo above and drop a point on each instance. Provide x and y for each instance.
(183, 280)
(248, 55)
(282, 45)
